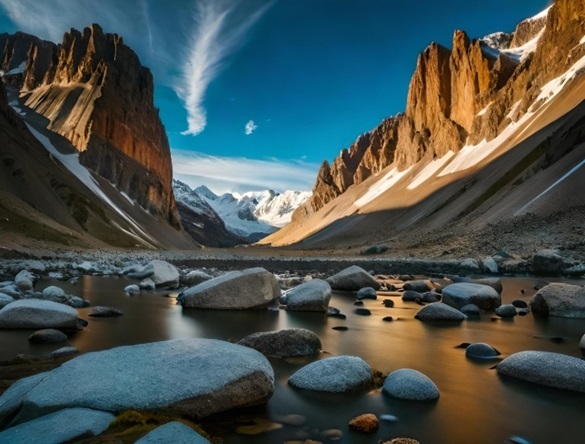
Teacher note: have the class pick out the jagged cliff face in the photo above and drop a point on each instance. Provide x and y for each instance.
(460, 96)
(94, 91)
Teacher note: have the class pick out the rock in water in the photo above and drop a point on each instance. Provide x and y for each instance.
(460, 294)
(366, 293)
(410, 385)
(197, 377)
(546, 368)
(353, 279)
(562, 300)
(47, 336)
(366, 423)
(236, 290)
(340, 374)
(506, 311)
(290, 342)
(163, 274)
(438, 311)
(62, 426)
(100, 311)
(173, 432)
(24, 280)
(36, 313)
(481, 350)
(313, 295)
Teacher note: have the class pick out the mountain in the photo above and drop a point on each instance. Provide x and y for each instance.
(89, 102)
(489, 128)
(250, 216)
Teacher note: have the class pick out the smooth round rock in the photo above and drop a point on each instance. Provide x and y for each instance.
(439, 312)
(5, 300)
(283, 343)
(557, 299)
(367, 293)
(388, 303)
(546, 368)
(353, 279)
(132, 289)
(471, 310)
(411, 296)
(339, 374)
(420, 286)
(582, 343)
(100, 311)
(37, 314)
(481, 350)
(411, 385)
(173, 432)
(47, 336)
(506, 311)
(519, 303)
(313, 295)
(460, 294)
(55, 294)
(363, 312)
(64, 351)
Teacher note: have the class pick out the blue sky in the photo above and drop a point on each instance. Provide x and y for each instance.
(255, 94)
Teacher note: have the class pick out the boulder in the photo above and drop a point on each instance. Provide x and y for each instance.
(494, 282)
(194, 277)
(24, 280)
(196, 377)
(549, 263)
(489, 265)
(339, 374)
(411, 385)
(367, 293)
(47, 336)
(55, 294)
(562, 300)
(439, 311)
(582, 343)
(546, 368)
(471, 265)
(77, 302)
(289, 342)
(64, 425)
(430, 296)
(313, 295)
(419, 286)
(460, 294)
(506, 311)
(100, 311)
(173, 432)
(481, 350)
(236, 290)
(411, 296)
(5, 300)
(147, 284)
(132, 289)
(365, 423)
(163, 274)
(353, 279)
(36, 313)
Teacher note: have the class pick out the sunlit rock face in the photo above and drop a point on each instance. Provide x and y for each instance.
(460, 96)
(94, 91)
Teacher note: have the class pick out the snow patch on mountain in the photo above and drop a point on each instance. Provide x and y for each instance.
(252, 215)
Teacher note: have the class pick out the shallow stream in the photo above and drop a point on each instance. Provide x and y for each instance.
(476, 405)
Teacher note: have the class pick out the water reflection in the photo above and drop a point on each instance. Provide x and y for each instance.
(475, 405)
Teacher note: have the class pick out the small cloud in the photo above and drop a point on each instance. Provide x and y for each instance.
(250, 127)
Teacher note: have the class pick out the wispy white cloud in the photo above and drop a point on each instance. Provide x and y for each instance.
(218, 30)
(238, 174)
(250, 127)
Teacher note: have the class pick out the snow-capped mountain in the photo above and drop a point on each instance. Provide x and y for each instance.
(252, 215)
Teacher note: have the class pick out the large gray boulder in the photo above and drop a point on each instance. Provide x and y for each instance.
(57, 427)
(289, 342)
(546, 368)
(352, 279)
(198, 377)
(410, 385)
(549, 263)
(340, 374)
(313, 295)
(37, 314)
(439, 312)
(562, 300)
(173, 432)
(55, 294)
(163, 274)
(461, 294)
(236, 290)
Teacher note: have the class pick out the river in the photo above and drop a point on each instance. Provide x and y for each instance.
(476, 405)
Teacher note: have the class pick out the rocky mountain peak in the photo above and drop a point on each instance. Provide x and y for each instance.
(461, 95)
(94, 91)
